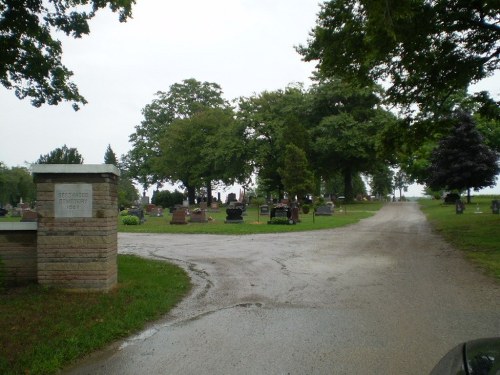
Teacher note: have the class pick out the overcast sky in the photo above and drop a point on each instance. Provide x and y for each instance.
(245, 46)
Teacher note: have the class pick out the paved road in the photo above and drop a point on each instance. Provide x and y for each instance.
(385, 296)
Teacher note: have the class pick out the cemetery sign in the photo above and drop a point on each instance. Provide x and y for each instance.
(73, 200)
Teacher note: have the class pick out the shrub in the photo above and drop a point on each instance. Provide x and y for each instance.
(124, 213)
(130, 220)
(280, 221)
(305, 208)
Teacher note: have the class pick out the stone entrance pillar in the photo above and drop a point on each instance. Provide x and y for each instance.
(77, 206)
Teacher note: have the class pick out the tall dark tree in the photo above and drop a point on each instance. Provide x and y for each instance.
(31, 56)
(461, 160)
(61, 155)
(427, 50)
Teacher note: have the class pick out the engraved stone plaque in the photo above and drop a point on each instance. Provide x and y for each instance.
(73, 200)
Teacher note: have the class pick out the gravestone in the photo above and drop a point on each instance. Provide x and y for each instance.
(179, 216)
(234, 215)
(495, 207)
(29, 216)
(281, 211)
(150, 208)
(264, 209)
(138, 212)
(231, 197)
(325, 210)
(241, 206)
(203, 206)
(459, 207)
(198, 216)
(214, 207)
(295, 214)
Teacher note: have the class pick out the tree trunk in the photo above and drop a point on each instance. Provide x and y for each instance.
(348, 189)
(191, 194)
(468, 196)
(209, 193)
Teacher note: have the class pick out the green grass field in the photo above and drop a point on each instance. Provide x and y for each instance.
(255, 223)
(43, 330)
(476, 231)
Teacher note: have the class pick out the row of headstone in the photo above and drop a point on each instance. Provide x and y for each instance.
(460, 207)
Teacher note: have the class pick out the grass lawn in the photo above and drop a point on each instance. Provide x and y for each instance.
(255, 223)
(43, 330)
(477, 234)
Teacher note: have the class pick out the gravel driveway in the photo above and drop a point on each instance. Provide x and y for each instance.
(384, 296)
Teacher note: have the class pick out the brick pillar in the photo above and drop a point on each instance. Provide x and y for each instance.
(77, 206)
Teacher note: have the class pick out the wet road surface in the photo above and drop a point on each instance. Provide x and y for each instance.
(384, 296)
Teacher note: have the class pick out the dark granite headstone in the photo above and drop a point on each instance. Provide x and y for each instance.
(234, 215)
(325, 210)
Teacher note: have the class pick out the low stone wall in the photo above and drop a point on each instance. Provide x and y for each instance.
(18, 253)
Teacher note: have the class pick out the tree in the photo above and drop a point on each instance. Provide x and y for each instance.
(182, 101)
(346, 122)
(202, 150)
(381, 181)
(296, 175)
(428, 50)
(462, 160)
(16, 183)
(274, 119)
(401, 182)
(31, 57)
(110, 156)
(61, 155)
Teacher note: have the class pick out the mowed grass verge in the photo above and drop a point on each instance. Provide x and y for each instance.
(43, 330)
(255, 223)
(477, 234)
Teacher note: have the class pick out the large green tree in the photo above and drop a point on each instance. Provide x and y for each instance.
(427, 50)
(31, 56)
(16, 183)
(202, 150)
(61, 155)
(181, 101)
(347, 123)
(461, 160)
(274, 120)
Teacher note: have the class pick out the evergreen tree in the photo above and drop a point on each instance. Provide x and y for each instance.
(61, 155)
(462, 160)
(110, 157)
